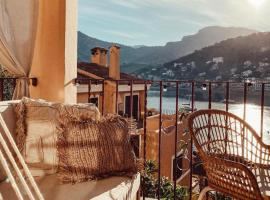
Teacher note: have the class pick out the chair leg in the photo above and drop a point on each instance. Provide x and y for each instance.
(138, 195)
(203, 192)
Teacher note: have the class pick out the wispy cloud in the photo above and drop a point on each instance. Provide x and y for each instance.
(125, 35)
(154, 22)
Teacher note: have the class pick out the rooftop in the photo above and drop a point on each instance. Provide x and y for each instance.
(101, 71)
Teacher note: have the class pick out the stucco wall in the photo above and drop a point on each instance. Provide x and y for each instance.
(54, 61)
(167, 144)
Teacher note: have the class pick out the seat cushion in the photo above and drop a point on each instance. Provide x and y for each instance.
(94, 149)
(36, 135)
(113, 188)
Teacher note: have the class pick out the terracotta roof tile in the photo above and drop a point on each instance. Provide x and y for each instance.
(101, 71)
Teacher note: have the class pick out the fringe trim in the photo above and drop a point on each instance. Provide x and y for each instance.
(21, 131)
(65, 173)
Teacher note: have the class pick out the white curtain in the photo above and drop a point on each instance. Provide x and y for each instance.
(18, 25)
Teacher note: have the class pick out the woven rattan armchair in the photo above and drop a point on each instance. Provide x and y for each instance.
(236, 161)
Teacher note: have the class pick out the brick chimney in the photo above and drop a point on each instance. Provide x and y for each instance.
(114, 68)
(99, 56)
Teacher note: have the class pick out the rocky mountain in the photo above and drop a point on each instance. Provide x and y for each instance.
(155, 55)
(237, 58)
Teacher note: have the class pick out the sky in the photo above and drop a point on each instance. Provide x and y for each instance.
(156, 22)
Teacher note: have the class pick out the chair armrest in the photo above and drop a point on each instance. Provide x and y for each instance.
(232, 178)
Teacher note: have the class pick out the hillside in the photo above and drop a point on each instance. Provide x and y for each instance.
(237, 58)
(155, 55)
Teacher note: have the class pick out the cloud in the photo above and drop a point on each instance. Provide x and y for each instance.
(154, 22)
(127, 35)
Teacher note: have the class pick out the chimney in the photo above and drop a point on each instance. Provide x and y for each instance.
(114, 69)
(99, 56)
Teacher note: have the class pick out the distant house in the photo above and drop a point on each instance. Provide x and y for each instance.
(218, 78)
(100, 69)
(247, 64)
(193, 64)
(218, 60)
(233, 70)
(170, 73)
(246, 73)
(264, 64)
(202, 74)
(177, 64)
(184, 68)
(214, 67)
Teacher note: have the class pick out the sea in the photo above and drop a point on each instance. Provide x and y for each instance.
(253, 111)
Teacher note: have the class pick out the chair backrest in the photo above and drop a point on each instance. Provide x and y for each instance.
(223, 134)
(228, 147)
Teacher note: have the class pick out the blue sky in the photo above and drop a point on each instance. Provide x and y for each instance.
(155, 22)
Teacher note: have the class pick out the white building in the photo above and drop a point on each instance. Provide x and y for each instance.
(202, 74)
(218, 60)
(177, 64)
(247, 63)
(246, 73)
(214, 67)
(170, 73)
(233, 70)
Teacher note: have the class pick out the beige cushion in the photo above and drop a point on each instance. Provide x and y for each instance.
(36, 132)
(113, 188)
(94, 149)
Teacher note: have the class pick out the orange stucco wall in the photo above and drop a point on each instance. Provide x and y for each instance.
(167, 144)
(49, 61)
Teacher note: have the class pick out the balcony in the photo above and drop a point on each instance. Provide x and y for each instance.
(159, 131)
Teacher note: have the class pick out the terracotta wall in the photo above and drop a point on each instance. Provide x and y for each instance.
(167, 144)
(55, 62)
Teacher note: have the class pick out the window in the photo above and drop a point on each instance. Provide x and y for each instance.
(177, 167)
(94, 100)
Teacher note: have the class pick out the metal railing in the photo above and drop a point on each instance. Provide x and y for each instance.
(7, 86)
(208, 92)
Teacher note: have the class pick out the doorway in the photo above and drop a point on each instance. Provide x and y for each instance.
(135, 110)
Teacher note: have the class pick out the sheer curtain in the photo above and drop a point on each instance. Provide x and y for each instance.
(18, 24)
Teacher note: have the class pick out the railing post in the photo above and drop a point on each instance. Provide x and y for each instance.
(245, 100)
(159, 136)
(89, 91)
(210, 95)
(175, 137)
(103, 96)
(131, 99)
(116, 96)
(144, 127)
(191, 144)
(1, 90)
(262, 108)
(227, 95)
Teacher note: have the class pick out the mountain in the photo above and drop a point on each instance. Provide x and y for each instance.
(237, 58)
(155, 55)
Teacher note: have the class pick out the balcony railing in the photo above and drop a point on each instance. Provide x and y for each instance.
(170, 99)
(159, 119)
(7, 86)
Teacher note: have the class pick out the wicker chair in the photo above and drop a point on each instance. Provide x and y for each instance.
(236, 161)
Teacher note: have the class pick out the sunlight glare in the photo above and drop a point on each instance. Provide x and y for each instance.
(256, 3)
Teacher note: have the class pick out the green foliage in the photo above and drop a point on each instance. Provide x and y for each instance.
(219, 196)
(150, 184)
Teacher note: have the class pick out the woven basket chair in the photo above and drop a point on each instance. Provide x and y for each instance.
(236, 161)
